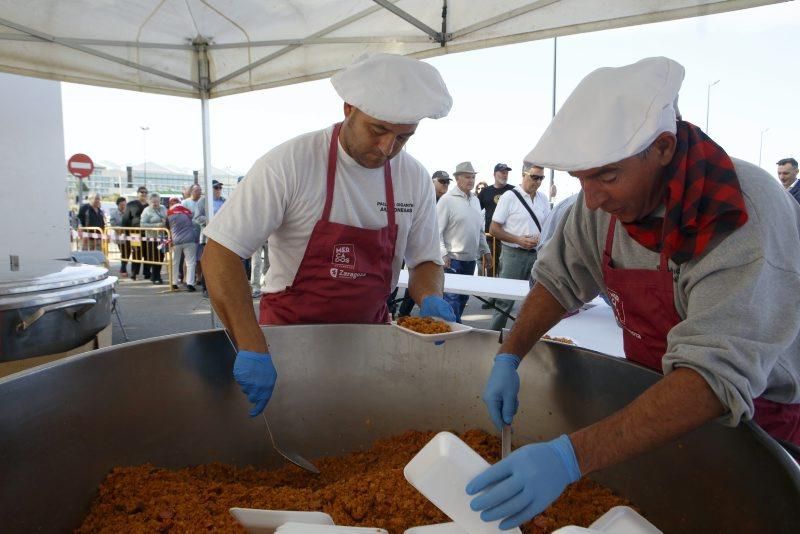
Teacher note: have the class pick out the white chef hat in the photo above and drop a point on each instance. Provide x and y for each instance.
(612, 114)
(393, 88)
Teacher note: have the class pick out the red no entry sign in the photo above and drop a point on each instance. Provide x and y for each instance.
(80, 165)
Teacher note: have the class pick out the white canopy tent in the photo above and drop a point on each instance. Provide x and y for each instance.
(210, 48)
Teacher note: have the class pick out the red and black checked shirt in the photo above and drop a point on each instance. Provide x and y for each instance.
(703, 199)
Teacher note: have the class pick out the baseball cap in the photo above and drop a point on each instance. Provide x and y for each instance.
(501, 167)
(216, 183)
(441, 175)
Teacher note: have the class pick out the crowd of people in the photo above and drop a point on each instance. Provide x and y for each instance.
(482, 231)
(136, 232)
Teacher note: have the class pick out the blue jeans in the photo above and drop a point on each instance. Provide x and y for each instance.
(459, 302)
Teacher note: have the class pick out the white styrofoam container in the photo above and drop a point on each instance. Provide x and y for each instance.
(305, 528)
(441, 472)
(456, 330)
(618, 520)
(257, 521)
(441, 528)
(624, 520)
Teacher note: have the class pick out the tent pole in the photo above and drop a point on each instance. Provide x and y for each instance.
(207, 178)
(203, 74)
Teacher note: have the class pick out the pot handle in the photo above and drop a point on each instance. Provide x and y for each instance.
(84, 304)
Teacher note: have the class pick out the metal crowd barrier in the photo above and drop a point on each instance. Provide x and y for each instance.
(130, 244)
(88, 238)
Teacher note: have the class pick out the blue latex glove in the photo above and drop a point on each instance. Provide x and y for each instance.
(525, 483)
(433, 306)
(501, 391)
(256, 375)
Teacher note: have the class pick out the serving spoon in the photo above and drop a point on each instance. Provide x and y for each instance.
(292, 456)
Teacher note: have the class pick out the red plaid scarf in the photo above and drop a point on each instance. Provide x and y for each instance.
(703, 199)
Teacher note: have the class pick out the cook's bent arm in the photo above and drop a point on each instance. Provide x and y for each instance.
(539, 313)
(230, 296)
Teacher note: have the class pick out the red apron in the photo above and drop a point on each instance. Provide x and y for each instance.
(644, 305)
(346, 273)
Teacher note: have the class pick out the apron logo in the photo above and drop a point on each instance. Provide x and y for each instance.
(616, 303)
(344, 256)
(345, 275)
(619, 313)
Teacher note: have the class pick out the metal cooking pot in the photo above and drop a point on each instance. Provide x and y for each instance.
(48, 307)
(172, 402)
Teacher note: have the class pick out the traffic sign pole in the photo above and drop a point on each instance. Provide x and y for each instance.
(80, 166)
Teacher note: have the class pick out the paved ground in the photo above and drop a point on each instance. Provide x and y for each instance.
(150, 311)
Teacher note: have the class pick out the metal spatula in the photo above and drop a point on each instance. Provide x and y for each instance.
(292, 456)
(505, 441)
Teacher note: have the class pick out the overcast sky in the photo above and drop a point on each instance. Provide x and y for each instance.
(502, 99)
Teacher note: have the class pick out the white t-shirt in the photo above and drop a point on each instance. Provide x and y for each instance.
(515, 219)
(283, 197)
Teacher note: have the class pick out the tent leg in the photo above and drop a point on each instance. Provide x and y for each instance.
(207, 178)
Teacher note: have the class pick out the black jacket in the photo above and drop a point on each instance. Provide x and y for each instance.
(88, 217)
(795, 190)
(133, 213)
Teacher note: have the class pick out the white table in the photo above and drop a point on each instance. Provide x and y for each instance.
(479, 286)
(593, 327)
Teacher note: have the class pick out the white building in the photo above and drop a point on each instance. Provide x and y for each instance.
(112, 180)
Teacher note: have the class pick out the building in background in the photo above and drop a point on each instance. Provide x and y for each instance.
(112, 180)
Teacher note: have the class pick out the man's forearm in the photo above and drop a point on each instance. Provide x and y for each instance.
(424, 280)
(539, 313)
(677, 404)
(498, 232)
(230, 297)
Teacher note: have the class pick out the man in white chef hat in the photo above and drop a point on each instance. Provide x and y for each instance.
(342, 208)
(701, 267)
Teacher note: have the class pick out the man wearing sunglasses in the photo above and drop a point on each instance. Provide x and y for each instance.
(441, 182)
(131, 219)
(517, 222)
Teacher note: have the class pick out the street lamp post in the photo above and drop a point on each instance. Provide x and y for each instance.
(708, 102)
(761, 145)
(145, 129)
(553, 113)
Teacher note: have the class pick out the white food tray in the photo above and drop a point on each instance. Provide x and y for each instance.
(456, 330)
(267, 521)
(441, 472)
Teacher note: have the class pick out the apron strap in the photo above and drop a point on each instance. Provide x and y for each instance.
(609, 239)
(663, 263)
(331, 180)
(326, 213)
(387, 181)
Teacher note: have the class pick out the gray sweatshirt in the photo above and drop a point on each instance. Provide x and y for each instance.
(461, 226)
(152, 218)
(739, 302)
